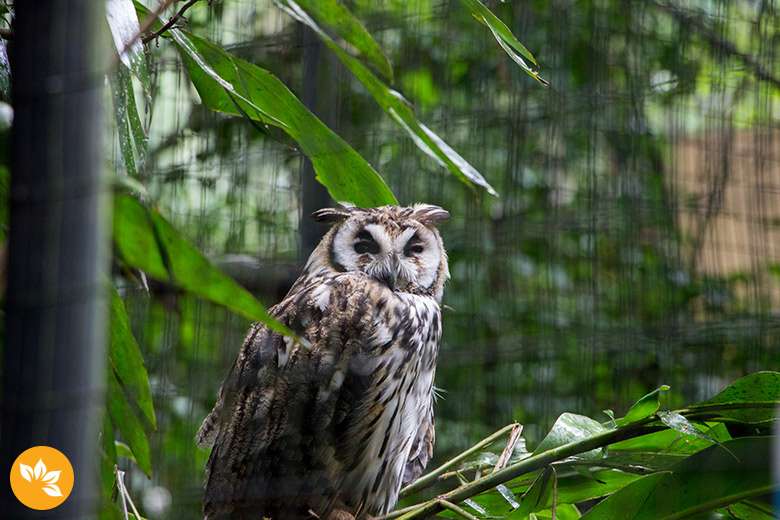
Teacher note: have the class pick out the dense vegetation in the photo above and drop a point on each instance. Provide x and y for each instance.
(579, 252)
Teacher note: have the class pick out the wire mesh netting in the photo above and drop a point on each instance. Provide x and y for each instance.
(634, 242)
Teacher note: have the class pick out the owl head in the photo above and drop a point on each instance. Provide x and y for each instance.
(399, 247)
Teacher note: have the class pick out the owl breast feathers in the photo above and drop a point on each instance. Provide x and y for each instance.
(335, 428)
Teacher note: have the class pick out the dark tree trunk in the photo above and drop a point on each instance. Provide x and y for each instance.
(54, 370)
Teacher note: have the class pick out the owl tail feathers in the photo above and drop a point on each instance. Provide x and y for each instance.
(208, 430)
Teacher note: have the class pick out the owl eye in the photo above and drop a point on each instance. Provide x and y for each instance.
(366, 244)
(414, 246)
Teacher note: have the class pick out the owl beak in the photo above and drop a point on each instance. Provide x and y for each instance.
(389, 277)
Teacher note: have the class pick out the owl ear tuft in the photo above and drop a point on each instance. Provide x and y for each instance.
(332, 215)
(429, 215)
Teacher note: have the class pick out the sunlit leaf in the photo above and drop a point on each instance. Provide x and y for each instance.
(126, 359)
(570, 428)
(233, 86)
(337, 17)
(704, 481)
(397, 107)
(123, 22)
(504, 37)
(643, 408)
(124, 418)
(146, 241)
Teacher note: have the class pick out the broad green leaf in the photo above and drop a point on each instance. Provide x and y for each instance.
(704, 481)
(123, 450)
(397, 107)
(233, 86)
(504, 37)
(336, 16)
(749, 510)
(643, 408)
(146, 241)
(751, 399)
(124, 418)
(562, 512)
(571, 428)
(126, 359)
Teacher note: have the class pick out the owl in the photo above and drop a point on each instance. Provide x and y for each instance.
(333, 427)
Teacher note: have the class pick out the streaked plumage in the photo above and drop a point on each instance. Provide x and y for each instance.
(336, 429)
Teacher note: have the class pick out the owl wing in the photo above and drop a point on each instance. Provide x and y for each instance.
(278, 428)
(422, 450)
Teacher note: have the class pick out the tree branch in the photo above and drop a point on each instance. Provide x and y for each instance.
(167, 25)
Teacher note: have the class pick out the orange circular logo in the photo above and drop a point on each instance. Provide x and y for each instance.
(42, 478)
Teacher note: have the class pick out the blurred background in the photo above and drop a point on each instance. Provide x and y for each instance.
(635, 241)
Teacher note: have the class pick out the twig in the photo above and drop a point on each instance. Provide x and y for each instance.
(527, 465)
(171, 21)
(457, 510)
(426, 480)
(120, 479)
(510, 447)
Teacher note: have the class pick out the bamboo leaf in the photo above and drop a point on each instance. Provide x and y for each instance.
(337, 17)
(123, 23)
(146, 241)
(126, 359)
(124, 418)
(504, 37)
(397, 107)
(233, 86)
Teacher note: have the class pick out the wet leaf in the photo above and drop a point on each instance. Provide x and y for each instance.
(570, 428)
(126, 359)
(123, 22)
(397, 107)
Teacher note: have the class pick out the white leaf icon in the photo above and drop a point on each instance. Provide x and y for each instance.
(51, 477)
(27, 472)
(52, 490)
(40, 469)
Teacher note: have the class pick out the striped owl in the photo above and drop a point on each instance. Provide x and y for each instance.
(334, 429)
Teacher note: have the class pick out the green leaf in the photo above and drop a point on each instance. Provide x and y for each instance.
(643, 408)
(146, 241)
(504, 37)
(571, 428)
(751, 399)
(397, 107)
(108, 455)
(233, 86)
(679, 423)
(126, 359)
(337, 17)
(124, 418)
(123, 23)
(536, 497)
(702, 482)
